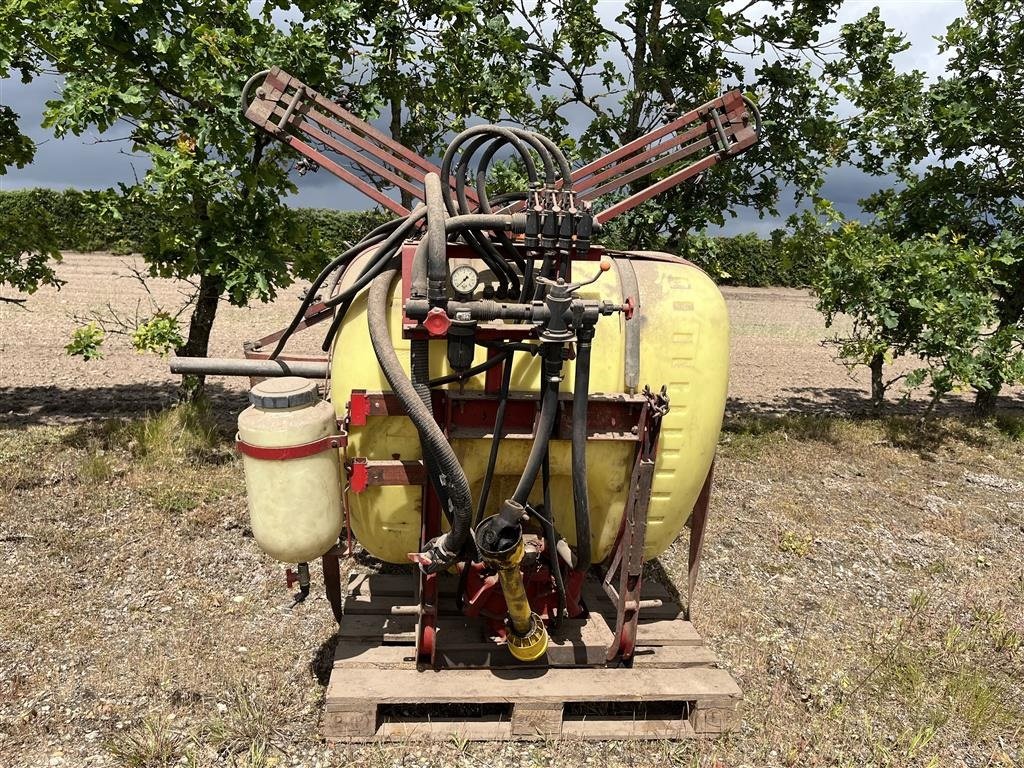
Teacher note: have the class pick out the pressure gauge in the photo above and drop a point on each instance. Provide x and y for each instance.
(465, 280)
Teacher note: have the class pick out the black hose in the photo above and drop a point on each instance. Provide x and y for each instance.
(486, 365)
(419, 365)
(496, 438)
(551, 539)
(460, 497)
(508, 283)
(580, 396)
(401, 228)
(552, 368)
(453, 148)
(345, 299)
(481, 187)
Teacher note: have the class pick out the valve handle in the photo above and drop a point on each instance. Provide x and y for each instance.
(568, 288)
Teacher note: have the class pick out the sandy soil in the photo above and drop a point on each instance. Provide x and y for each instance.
(778, 362)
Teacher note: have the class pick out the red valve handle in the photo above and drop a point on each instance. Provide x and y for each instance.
(437, 322)
(628, 308)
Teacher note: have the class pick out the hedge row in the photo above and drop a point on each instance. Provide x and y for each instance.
(77, 226)
(748, 260)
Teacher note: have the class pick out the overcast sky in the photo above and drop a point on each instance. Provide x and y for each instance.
(85, 163)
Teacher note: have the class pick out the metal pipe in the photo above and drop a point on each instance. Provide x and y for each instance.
(226, 366)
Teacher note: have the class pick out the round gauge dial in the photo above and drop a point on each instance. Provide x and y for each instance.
(465, 279)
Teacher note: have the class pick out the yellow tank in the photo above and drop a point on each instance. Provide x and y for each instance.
(294, 503)
(684, 344)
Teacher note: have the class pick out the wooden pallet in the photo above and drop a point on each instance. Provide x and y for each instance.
(674, 689)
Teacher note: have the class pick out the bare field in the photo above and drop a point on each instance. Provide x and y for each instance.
(863, 578)
(778, 364)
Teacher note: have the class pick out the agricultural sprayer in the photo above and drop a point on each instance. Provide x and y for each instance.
(526, 416)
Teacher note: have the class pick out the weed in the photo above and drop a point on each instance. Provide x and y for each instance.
(175, 501)
(245, 725)
(187, 432)
(920, 739)
(795, 544)
(1007, 641)
(820, 428)
(460, 742)
(1011, 426)
(150, 744)
(96, 467)
(978, 702)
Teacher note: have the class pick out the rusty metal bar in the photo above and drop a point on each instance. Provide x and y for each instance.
(748, 139)
(625, 165)
(408, 167)
(649, 168)
(724, 102)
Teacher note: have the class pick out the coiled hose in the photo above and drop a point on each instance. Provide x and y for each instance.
(433, 438)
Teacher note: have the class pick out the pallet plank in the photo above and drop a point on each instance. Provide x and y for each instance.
(577, 643)
(402, 686)
(673, 690)
(532, 719)
(670, 656)
(378, 627)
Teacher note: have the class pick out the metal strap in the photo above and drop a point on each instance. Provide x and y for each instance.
(283, 453)
(630, 289)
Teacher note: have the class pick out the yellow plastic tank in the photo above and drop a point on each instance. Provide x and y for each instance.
(294, 503)
(683, 333)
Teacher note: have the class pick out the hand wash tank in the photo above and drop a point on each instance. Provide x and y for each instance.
(287, 438)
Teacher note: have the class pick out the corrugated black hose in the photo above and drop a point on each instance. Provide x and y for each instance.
(419, 359)
(446, 548)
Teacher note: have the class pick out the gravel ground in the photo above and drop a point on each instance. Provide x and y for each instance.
(862, 579)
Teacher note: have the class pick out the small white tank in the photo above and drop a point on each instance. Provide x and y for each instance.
(294, 499)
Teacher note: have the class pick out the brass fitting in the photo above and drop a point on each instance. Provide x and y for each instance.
(501, 547)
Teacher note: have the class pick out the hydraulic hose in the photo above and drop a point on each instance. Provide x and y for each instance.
(580, 396)
(552, 368)
(481, 186)
(493, 130)
(496, 438)
(400, 229)
(551, 540)
(377, 262)
(507, 280)
(419, 365)
(437, 240)
(448, 546)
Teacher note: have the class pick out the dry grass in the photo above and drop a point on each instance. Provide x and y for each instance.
(863, 581)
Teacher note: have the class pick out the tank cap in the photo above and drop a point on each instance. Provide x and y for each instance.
(284, 392)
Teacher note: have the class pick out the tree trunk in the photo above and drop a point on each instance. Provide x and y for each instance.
(985, 399)
(198, 344)
(877, 382)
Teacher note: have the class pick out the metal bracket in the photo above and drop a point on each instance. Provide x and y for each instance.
(628, 560)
